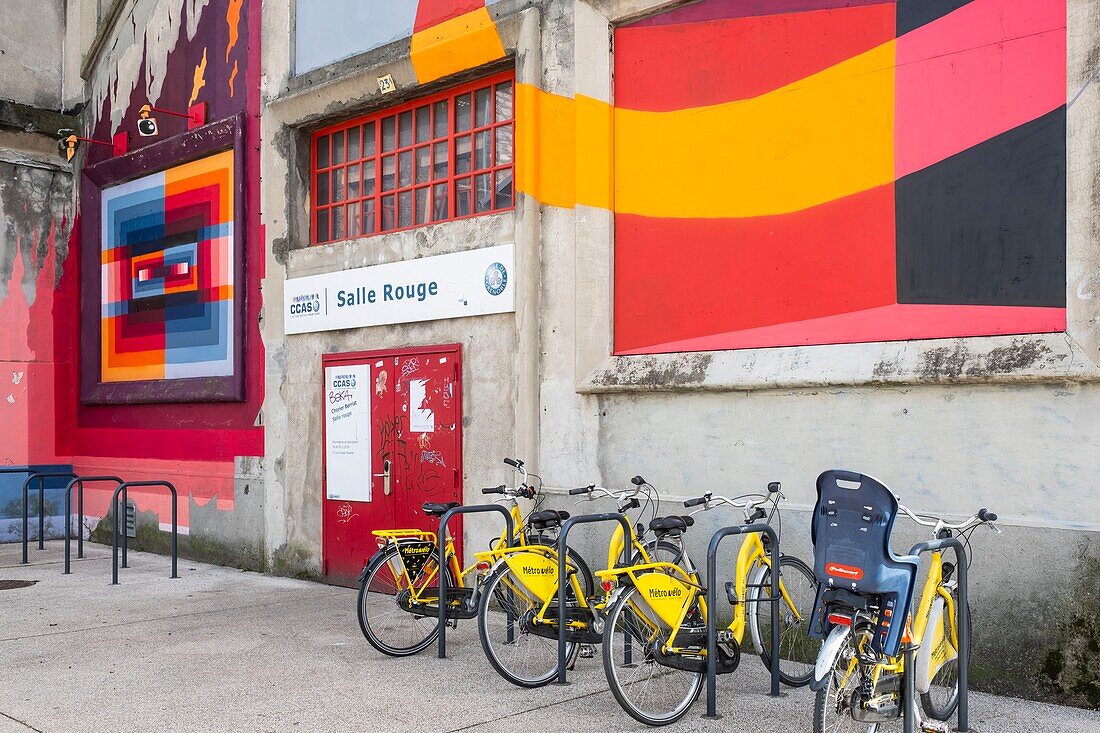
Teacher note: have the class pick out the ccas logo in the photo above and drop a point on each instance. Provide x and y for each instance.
(496, 279)
(308, 304)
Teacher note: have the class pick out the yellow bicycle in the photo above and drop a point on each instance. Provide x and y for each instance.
(654, 636)
(398, 601)
(519, 618)
(864, 607)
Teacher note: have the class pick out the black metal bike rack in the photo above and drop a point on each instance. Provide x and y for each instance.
(78, 482)
(963, 633)
(563, 576)
(712, 606)
(41, 478)
(441, 546)
(123, 489)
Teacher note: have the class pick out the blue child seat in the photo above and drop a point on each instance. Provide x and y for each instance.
(851, 528)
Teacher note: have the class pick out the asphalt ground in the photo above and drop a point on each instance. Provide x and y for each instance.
(224, 650)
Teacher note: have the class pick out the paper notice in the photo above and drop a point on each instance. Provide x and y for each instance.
(421, 419)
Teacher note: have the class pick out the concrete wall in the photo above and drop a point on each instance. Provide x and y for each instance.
(1005, 422)
(31, 41)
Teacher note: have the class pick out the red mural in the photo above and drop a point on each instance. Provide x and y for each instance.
(195, 445)
(944, 216)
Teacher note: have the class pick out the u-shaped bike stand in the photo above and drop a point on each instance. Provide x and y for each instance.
(563, 577)
(963, 633)
(79, 483)
(122, 489)
(712, 605)
(41, 478)
(441, 546)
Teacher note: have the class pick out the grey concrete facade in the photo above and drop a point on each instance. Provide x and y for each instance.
(1005, 422)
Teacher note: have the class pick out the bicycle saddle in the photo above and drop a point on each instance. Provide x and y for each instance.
(665, 525)
(547, 518)
(438, 509)
(851, 529)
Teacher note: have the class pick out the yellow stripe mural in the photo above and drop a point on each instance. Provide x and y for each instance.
(821, 138)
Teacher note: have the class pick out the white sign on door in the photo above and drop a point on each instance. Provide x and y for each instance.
(348, 432)
(472, 283)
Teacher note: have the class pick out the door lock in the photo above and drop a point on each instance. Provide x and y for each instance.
(385, 476)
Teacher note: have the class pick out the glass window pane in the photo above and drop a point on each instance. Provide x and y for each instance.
(442, 152)
(405, 209)
(439, 202)
(423, 123)
(404, 169)
(442, 121)
(322, 188)
(368, 140)
(322, 226)
(483, 193)
(483, 106)
(503, 189)
(504, 101)
(462, 154)
(354, 221)
(389, 164)
(389, 135)
(462, 197)
(423, 163)
(504, 144)
(353, 184)
(339, 186)
(422, 205)
(338, 147)
(353, 143)
(405, 129)
(483, 157)
(338, 222)
(387, 213)
(368, 178)
(322, 151)
(368, 216)
(462, 113)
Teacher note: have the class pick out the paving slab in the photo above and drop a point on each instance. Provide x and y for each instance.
(222, 650)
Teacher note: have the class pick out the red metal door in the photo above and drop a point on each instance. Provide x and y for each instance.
(413, 451)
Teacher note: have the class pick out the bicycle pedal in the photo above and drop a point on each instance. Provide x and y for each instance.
(588, 651)
(731, 593)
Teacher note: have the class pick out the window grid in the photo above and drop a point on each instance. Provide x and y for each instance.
(412, 153)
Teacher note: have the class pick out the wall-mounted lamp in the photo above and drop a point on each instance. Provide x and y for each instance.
(68, 141)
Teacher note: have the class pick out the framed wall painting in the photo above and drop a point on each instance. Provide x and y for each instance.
(162, 271)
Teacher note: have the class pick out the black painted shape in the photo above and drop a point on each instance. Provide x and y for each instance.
(915, 13)
(988, 226)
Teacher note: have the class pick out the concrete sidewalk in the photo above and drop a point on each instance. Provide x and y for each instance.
(223, 650)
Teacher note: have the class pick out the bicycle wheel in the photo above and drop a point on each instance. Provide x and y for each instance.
(519, 656)
(651, 692)
(943, 696)
(833, 704)
(388, 627)
(797, 650)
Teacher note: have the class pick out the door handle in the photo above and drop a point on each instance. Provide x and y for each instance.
(385, 476)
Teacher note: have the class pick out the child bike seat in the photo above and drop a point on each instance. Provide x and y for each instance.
(851, 529)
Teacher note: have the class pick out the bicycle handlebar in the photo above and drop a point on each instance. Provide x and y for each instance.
(581, 490)
(494, 489)
(983, 516)
(513, 462)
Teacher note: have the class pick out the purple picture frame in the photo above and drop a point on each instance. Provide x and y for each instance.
(227, 134)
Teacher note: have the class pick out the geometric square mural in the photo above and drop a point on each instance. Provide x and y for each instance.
(167, 273)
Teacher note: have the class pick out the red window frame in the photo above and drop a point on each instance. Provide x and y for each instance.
(413, 200)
